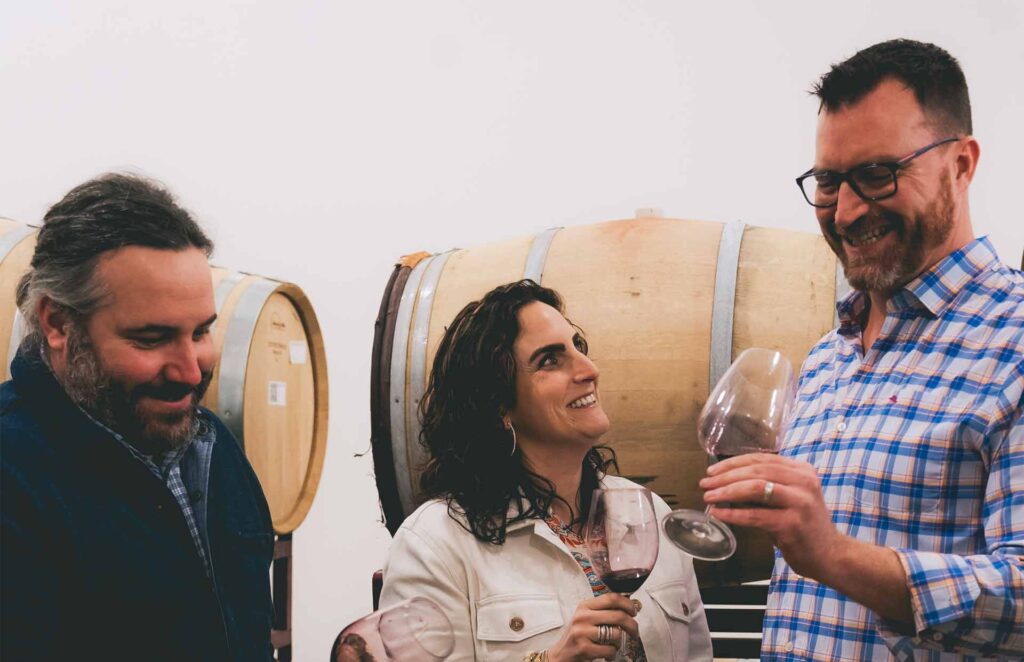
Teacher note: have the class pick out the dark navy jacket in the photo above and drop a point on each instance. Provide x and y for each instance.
(98, 562)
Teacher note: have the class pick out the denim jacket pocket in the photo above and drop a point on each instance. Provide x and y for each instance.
(675, 600)
(514, 618)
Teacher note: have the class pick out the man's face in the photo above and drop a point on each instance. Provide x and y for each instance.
(143, 360)
(884, 244)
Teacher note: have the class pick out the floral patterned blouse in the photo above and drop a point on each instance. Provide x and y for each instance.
(578, 548)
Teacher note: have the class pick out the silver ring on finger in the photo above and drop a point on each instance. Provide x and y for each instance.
(604, 635)
(769, 489)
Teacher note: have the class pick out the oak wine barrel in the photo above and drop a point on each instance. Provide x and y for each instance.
(665, 304)
(17, 243)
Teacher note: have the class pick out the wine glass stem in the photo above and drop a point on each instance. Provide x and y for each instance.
(620, 655)
(707, 515)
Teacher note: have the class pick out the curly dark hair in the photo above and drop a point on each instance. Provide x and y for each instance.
(472, 385)
(930, 72)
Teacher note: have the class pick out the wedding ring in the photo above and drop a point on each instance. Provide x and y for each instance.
(769, 489)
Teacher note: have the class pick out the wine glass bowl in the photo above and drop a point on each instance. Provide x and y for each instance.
(414, 630)
(746, 412)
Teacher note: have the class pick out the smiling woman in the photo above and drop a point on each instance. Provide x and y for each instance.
(512, 422)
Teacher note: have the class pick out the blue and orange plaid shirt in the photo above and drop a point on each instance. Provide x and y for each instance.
(919, 444)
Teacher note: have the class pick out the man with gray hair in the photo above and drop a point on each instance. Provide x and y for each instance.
(133, 528)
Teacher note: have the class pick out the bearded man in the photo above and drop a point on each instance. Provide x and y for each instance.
(897, 501)
(133, 528)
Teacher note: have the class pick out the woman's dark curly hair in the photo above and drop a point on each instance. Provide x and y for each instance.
(471, 387)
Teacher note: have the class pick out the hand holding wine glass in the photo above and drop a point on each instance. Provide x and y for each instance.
(745, 413)
(414, 630)
(622, 539)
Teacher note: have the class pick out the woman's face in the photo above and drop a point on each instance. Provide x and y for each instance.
(557, 403)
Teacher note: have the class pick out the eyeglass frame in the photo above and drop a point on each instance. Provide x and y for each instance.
(847, 176)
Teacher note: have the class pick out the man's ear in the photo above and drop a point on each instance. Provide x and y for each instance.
(966, 162)
(55, 323)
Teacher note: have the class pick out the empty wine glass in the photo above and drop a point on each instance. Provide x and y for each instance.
(622, 537)
(415, 630)
(745, 413)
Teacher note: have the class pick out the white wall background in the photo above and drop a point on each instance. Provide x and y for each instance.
(318, 141)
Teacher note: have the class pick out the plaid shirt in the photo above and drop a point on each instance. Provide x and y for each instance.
(919, 444)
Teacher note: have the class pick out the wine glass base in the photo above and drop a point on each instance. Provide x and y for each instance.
(699, 535)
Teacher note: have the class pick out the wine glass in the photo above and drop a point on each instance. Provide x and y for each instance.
(414, 630)
(622, 537)
(745, 413)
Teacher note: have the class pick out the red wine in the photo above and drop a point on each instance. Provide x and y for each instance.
(737, 435)
(625, 581)
(722, 457)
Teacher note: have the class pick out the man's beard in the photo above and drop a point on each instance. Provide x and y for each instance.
(115, 405)
(904, 260)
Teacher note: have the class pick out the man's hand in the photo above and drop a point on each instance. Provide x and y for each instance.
(794, 513)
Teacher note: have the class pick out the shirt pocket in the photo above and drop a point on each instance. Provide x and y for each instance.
(515, 618)
(678, 609)
(675, 600)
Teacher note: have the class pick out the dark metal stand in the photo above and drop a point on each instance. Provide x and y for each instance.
(281, 634)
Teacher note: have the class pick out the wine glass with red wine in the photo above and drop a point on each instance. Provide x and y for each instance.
(622, 538)
(745, 413)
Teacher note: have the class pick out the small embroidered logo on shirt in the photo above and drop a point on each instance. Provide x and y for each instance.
(892, 399)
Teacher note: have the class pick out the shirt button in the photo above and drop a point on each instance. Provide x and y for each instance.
(516, 624)
(789, 646)
(841, 426)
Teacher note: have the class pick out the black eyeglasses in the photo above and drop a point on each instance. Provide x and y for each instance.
(871, 181)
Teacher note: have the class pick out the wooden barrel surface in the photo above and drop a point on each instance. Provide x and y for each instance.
(665, 305)
(269, 385)
(17, 243)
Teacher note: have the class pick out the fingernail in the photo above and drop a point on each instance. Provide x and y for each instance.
(704, 482)
(713, 469)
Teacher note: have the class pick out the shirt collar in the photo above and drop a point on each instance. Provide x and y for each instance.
(163, 462)
(934, 290)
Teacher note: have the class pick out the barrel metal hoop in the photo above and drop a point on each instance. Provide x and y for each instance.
(418, 356)
(842, 289)
(538, 255)
(399, 357)
(725, 300)
(235, 355)
(13, 238)
(224, 288)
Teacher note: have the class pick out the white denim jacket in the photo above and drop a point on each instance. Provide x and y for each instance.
(509, 600)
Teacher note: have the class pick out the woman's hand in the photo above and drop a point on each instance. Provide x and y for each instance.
(580, 639)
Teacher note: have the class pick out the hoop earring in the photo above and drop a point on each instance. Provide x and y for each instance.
(511, 429)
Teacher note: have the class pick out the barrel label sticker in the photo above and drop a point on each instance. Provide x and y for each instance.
(277, 393)
(297, 352)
